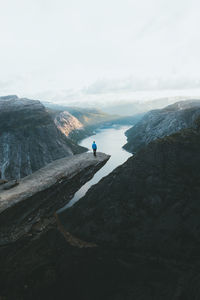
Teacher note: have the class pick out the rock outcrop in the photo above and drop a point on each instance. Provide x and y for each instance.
(67, 123)
(29, 138)
(32, 241)
(70, 126)
(40, 194)
(162, 122)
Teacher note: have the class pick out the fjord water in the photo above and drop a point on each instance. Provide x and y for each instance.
(109, 141)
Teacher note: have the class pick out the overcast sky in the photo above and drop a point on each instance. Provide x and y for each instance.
(80, 48)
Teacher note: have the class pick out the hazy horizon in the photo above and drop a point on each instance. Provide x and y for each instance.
(92, 52)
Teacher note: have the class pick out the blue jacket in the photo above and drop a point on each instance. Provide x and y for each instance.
(94, 146)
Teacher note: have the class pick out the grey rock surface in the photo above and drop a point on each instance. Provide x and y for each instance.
(47, 176)
(67, 123)
(43, 192)
(29, 138)
(162, 122)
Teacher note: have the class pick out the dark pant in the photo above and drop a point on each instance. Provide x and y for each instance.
(94, 151)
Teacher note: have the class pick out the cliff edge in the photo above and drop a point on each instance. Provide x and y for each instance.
(40, 194)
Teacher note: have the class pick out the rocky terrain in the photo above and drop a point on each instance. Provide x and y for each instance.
(162, 122)
(150, 207)
(32, 241)
(42, 193)
(153, 197)
(29, 138)
(134, 235)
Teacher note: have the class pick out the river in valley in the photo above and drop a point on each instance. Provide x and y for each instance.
(109, 141)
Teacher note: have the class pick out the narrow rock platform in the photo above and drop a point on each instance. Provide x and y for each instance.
(38, 196)
(49, 175)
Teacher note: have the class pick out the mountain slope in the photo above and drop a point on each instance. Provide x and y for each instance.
(159, 123)
(29, 138)
(150, 204)
(67, 123)
(87, 116)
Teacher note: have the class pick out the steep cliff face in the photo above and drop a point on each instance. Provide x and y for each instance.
(40, 194)
(159, 123)
(67, 123)
(29, 138)
(150, 204)
(70, 126)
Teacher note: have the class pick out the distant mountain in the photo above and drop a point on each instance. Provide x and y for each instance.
(87, 116)
(78, 123)
(29, 138)
(130, 108)
(162, 122)
(67, 123)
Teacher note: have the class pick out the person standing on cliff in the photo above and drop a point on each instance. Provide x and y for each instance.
(94, 148)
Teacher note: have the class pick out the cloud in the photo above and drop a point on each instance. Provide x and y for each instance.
(57, 47)
(131, 84)
(6, 84)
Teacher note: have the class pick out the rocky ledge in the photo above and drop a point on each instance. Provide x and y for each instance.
(40, 194)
